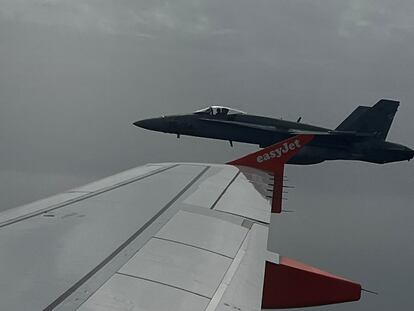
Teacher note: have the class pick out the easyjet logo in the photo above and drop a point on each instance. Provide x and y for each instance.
(277, 153)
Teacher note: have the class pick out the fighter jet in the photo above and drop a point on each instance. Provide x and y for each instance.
(361, 136)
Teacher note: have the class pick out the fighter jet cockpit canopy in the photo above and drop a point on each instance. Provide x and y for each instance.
(219, 110)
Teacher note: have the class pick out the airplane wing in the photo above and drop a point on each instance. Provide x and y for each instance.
(171, 236)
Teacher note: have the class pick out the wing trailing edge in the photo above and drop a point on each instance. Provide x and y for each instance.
(288, 283)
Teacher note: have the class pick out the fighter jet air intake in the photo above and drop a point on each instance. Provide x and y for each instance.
(361, 136)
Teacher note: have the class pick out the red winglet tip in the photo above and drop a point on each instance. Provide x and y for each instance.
(291, 284)
(274, 156)
(272, 159)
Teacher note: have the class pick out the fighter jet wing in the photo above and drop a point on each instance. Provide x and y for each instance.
(331, 133)
(243, 124)
(274, 129)
(170, 236)
(266, 128)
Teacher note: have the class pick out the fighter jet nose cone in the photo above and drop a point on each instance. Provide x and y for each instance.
(154, 124)
(145, 124)
(138, 123)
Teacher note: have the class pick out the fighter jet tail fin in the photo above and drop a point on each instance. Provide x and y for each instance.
(376, 120)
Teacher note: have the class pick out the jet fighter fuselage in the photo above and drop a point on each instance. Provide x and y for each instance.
(360, 137)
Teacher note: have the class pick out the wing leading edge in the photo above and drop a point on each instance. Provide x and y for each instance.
(172, 236)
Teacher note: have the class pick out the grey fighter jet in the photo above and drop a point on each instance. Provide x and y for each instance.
(361, 136)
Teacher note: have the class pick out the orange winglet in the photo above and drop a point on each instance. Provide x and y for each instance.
(272, 159)
(291, 284)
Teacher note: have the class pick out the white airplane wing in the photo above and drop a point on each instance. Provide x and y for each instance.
(172, 236)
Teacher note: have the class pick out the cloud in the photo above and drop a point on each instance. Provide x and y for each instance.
(114, 17)
(373, 18)
(82, 15)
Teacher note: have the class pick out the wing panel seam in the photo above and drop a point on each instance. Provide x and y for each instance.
(193, 246)
(244, 217)
(162, 283)
(79, 283)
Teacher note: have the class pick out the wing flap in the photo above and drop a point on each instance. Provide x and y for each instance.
(204, 232)
(178, 265)
(194, 253)
(122, 293)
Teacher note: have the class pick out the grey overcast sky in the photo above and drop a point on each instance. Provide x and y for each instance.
(75, 74)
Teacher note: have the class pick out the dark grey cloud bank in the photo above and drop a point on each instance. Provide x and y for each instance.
(75, 75)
